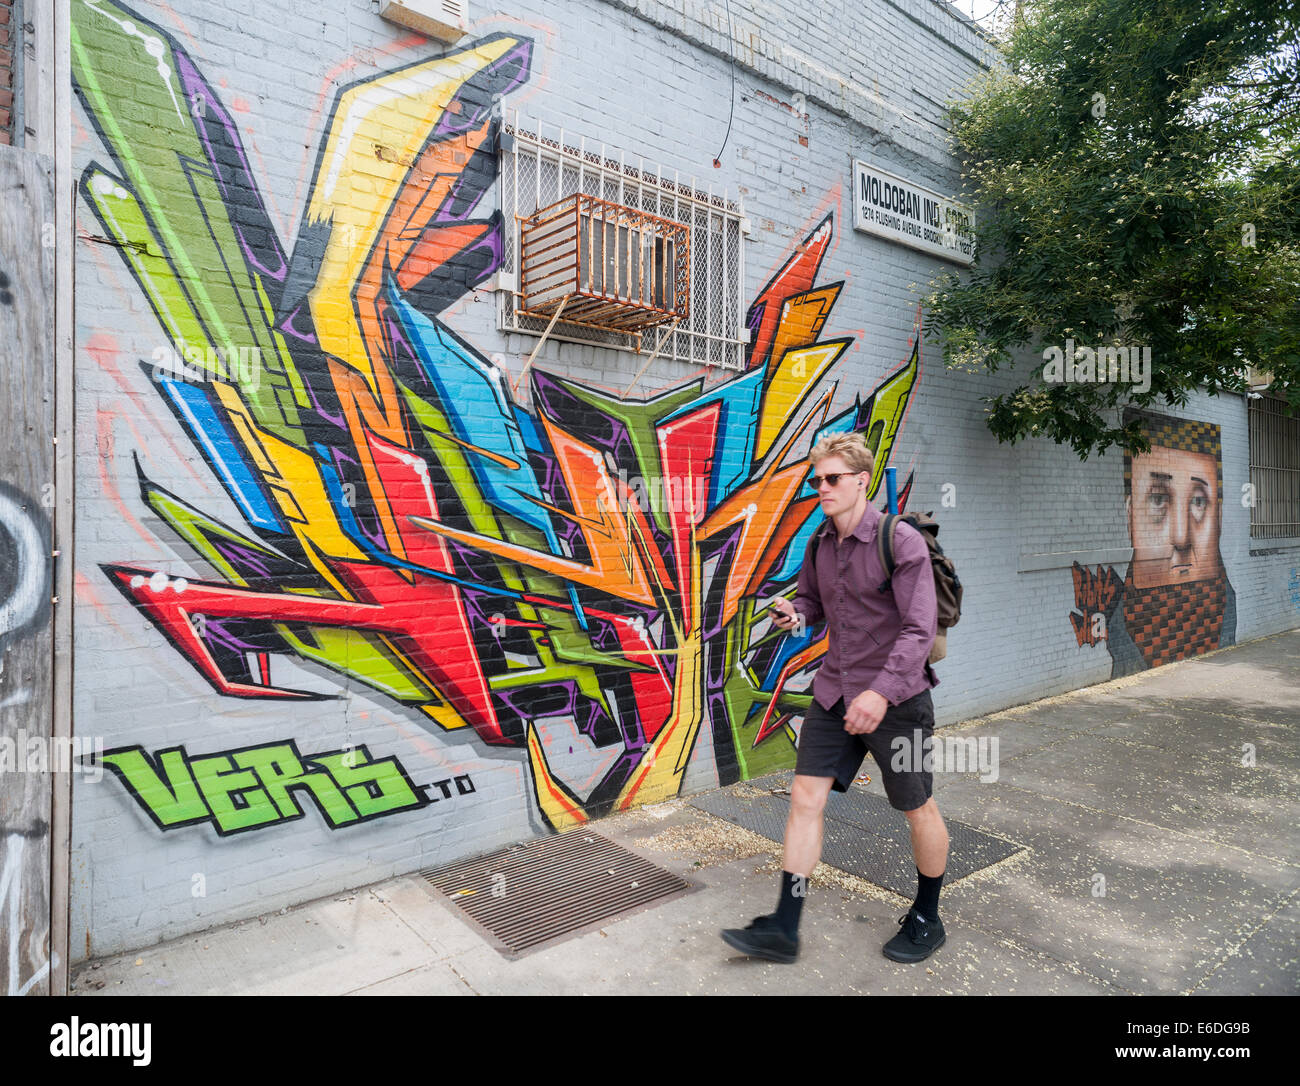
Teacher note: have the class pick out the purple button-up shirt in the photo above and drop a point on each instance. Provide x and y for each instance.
(878, 640)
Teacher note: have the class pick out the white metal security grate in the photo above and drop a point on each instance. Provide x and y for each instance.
(541, 166)
(1274, 470)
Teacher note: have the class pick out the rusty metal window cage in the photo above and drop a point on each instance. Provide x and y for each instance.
(603, 265)
(1274, 469)
(542, 168)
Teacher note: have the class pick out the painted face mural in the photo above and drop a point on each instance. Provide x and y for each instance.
(488, 561)
(1175, 601)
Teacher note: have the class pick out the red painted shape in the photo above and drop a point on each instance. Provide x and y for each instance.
(425, 621)
(404, 477)
(686, 449)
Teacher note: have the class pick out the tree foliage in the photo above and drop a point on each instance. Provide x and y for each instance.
(1136, 173)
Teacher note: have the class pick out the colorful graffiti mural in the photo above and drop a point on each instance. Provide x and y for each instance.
(489, 562)
(1175, 600)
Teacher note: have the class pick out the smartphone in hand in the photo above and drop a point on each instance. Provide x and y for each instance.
(784, 615)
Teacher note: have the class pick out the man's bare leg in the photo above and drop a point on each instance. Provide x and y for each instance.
(929, 839)
(803, 829)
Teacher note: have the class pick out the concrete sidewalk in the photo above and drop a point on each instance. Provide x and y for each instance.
(1139, 782)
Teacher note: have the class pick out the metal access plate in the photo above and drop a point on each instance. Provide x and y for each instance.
(529, 894)
(863, 835)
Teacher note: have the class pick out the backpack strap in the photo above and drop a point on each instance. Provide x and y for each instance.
(885, 547)
(814, 541)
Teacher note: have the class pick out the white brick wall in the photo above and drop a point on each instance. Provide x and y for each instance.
(650, 78)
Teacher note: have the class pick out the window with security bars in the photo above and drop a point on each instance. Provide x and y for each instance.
(541, 166)
(1274, 469)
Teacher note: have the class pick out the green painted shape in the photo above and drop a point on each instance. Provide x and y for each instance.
(640, 417)
(361, 656)
(199, 530)
(122, 216)
(356, 780)
(219, 780)
(744, 700)
(172, 796)
(278, 769)
(132, 95)
(888, 405)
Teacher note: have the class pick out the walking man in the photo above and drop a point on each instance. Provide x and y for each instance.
(873, 688)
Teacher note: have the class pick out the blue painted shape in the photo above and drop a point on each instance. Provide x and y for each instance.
(840, 424)
(534, 439)
(737, 426)
(788, 648)
(473, 396)
(223, 453)
(891, 488)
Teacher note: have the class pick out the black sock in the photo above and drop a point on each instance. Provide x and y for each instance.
(927, 895)
(794, 888)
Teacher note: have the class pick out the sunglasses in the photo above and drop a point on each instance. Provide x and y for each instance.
(815, 481)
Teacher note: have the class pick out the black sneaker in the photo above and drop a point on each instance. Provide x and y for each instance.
(764, 938)
(916, 940)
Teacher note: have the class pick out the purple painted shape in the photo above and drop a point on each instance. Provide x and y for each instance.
(364, 513)
(561, 406)
(309, 383)
(726, 553)
(473, 102)
(289, 326)
(559, 698)
(247, 561)
(218, 632)
(217, 131)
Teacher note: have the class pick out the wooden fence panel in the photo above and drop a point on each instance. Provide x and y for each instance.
(26, 566)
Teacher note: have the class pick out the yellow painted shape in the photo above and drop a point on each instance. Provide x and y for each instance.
(560, 810)
(658, 776)
(795, 374)
(355, 187)
(444, 716)
(308, 503)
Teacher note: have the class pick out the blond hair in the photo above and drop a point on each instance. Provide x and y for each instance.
(850, 448)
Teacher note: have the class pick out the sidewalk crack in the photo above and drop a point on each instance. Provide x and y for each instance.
(1230, 951)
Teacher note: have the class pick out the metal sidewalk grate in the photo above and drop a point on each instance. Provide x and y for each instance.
(863, 834)
(529, 894)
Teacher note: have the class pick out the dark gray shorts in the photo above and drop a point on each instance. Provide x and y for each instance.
(827, 750)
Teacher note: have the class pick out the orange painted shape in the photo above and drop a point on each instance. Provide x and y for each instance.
(796, 277)
(802, 319)
(789, 527)
(437, 246)
(763, 507)
(427, 187)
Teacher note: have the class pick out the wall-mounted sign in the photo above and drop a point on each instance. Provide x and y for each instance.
(899, 210)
